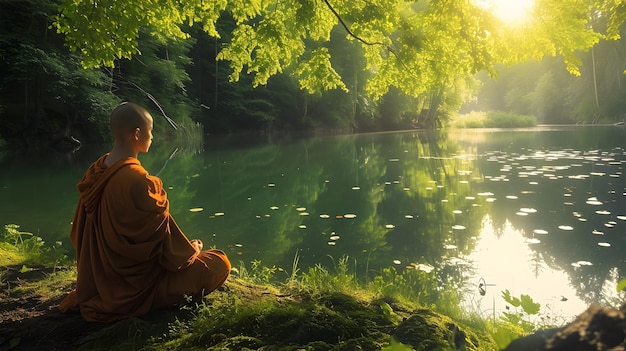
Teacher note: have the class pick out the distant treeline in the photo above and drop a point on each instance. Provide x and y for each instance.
(48, 98)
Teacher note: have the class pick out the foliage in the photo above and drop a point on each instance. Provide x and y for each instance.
(45, 90)
(521, 318)
(31, 249)
(412, 46)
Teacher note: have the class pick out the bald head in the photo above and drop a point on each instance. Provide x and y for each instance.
(127, 117)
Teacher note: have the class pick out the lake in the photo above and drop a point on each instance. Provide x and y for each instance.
(539, 211)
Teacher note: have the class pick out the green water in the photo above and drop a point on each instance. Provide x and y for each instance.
(538, 211)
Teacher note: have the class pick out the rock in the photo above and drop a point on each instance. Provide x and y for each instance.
(596, 329)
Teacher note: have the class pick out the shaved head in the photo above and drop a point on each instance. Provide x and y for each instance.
(128, 116)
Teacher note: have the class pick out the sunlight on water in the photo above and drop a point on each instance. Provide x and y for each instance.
(506, 261)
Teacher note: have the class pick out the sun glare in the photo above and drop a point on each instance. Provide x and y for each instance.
(511, 12)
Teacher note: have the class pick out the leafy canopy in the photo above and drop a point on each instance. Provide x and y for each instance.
(411, 45)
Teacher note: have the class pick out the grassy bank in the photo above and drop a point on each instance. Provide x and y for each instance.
(493, 119)
(322, 308)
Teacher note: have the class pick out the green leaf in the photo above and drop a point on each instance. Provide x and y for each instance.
(621, 285)
(514, 301)
(528, 305)
(24, 269)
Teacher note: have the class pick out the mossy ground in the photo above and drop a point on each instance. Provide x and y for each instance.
(239, 316)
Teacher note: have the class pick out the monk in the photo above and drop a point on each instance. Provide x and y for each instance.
(131, 256)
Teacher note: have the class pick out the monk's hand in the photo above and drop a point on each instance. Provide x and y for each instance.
(197, 244)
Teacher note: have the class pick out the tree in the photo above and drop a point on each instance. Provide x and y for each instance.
(43, 88)
(408, 45)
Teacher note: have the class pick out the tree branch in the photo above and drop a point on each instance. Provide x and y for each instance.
(345, 26)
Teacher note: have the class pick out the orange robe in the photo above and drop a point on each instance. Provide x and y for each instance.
(131, 256)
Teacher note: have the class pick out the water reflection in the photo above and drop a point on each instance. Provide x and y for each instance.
(539, 212)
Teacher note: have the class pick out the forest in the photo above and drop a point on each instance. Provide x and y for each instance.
(306, 66)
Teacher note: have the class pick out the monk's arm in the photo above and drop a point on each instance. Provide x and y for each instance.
(175, 250)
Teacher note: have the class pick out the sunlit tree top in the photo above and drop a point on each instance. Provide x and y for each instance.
(412, 45)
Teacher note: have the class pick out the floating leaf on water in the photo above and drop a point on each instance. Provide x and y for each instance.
(271, 185)
(540, 231)
(397, 262)
(356, 187)
(533, 183)
(585, 263)
(266, 215)
(302, 226)
(324, 216)
(274, 208)
(604, 244)
(566, 227)
(597, 232)
(349, 215)
(582, 219)
(622, 218)
(195, 175)
(394, 159)
(511, 197)
(470, 198)
(458, 227)
(528, 210)
(170, 187)
(449, 247)
(332, 243)
(463, 182)
(425, 267)
(238, 245)
(304, 213)
(603, 212)
(597, 174)
(389, 226)
(217, 214)
(300, 209)
(593, 201)
(408, 216)
(429, 188)
(533, 241)
(457, 211)
(334, 237)
(196, 209)
(406, 189)
(609, 225)
(491, 199)
(522, 213)
(486, 194)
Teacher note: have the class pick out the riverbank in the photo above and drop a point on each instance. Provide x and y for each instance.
(241, 315)
(312, 310)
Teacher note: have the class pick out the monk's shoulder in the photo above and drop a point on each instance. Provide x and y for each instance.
(136, 176)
